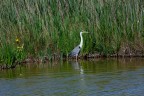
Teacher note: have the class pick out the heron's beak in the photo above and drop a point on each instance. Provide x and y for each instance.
(84, 32)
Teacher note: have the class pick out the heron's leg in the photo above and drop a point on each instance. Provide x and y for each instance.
(76, 57)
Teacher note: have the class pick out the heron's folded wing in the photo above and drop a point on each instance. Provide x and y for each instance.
(75, 51)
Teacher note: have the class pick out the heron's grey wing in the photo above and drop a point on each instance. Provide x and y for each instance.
(75, 51)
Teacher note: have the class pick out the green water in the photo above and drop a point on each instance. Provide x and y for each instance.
(99, 77)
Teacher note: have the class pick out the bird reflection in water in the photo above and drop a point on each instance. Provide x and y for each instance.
(77, 66)
(81, 79)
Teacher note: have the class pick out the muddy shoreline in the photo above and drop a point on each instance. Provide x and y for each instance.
(57, 57)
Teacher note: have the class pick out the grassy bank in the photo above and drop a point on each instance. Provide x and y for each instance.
(38, 28)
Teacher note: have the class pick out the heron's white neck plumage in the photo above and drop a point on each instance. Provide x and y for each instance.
(81, 42)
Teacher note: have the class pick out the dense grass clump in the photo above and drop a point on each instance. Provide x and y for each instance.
(51, 27)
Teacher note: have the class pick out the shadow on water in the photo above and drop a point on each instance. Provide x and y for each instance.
(97, 77)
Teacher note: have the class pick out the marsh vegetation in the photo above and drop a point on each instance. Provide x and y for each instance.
(50, 28)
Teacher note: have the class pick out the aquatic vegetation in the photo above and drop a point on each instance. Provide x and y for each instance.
(11, 54)
(51, 28)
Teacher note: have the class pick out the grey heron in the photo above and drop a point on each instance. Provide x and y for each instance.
(75, 52)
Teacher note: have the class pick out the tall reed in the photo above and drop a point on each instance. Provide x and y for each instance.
(48, 27)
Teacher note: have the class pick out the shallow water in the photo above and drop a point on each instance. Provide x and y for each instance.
(99, 77)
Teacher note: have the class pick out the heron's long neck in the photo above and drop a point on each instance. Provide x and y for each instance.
(81, 43)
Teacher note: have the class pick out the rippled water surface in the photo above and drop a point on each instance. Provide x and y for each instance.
(100, 77)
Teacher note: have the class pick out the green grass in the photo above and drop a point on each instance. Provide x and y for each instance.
(48, 27)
